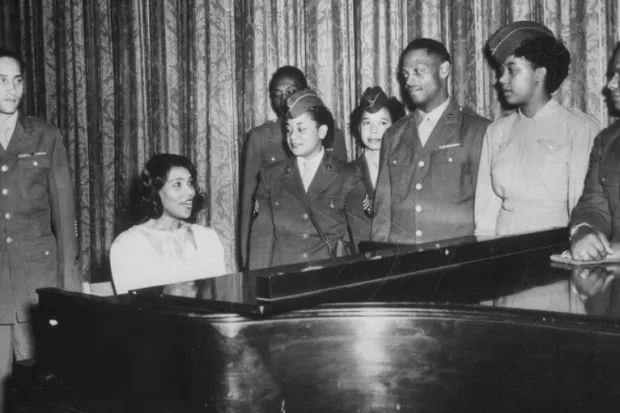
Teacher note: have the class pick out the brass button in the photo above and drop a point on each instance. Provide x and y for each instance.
(305, 236)
(418, 186)
(421, 164)
(7, 216)
(35, 163)
(304, 215)
(418, 208)
(5, 168)
(304, 255)
(418, 233)
(9, 240)
(5, 191)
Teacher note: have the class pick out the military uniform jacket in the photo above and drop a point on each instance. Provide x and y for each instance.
(282, 231)
(266, 145)
(38, 245)
(599, 204)
(362, 166)
(426, 193)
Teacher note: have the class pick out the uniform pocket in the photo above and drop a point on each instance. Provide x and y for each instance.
(34, 172)
(41, 264)
(450, 175)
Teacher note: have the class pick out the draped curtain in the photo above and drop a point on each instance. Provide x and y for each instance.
(124, 79)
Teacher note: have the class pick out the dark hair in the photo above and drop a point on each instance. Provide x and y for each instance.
(323, 116)
(549, 53)
(13, 55)
(154, 177)
(292, 72)
(394, 106)
(431, 46)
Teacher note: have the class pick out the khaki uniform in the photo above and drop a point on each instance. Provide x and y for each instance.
(426, 193)
(282, 231)
(266, 145)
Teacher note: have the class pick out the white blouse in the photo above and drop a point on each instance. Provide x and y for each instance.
(144, 257)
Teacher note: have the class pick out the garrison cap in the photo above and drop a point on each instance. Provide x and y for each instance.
(373, 99)
(506, 40)
(301, 101)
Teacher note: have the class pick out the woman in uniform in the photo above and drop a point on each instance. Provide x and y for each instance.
(375, 113)
(310, 205)
(534, 161)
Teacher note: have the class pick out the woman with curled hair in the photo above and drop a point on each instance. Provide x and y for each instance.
(167, 247)
(534, 161)
(311, 203)
(375, 113)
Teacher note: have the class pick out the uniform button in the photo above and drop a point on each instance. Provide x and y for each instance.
(418, 186)
(394, 162)
(7, 216)
(418, 208)
(5, 191)
(304, 255)
(421, 164)
(47, 253)
(273, 159)
(277, 203)
(9, 240)
(305, 236)
(331, 204)
(449, 159)
(35, 163)
(304, 215)
(5, 168)
(418, 233)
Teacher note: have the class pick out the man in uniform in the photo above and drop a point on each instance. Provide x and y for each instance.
(429, 159)
(38, 246)
(265, 145)
(595, 221)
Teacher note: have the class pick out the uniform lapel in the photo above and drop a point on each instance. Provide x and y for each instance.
(411, 133)
(323, 177)
(21, 140)
(291, 179)
(366, 174)
(446, 128)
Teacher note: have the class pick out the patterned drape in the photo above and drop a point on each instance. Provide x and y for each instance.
(126, 78)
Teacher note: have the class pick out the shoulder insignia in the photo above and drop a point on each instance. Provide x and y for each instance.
(367, 206)
(256, 209)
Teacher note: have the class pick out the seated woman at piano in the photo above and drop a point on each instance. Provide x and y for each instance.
(375, 113)
(533, 161)
(311, 205)
(166, 247)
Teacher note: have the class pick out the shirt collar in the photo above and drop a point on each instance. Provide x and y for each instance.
(10, 122)
(314, 161)
(546, 111)
(436, 113)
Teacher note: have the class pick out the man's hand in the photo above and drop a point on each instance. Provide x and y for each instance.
(587, 244)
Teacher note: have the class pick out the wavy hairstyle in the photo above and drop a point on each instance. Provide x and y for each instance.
(154, 177)
(549, 53)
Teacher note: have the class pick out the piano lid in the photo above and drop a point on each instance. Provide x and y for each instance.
(508, 272)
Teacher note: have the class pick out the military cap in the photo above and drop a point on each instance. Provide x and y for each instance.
(506, 40)
(373, 99)
(301, 101)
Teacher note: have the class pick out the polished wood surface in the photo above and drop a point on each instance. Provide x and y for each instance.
(466, 335)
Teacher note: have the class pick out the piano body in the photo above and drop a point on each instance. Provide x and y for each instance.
(401, 329)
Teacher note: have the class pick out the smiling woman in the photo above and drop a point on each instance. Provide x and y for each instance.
(166, 247)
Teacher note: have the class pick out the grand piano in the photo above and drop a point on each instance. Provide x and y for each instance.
(460, 326)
